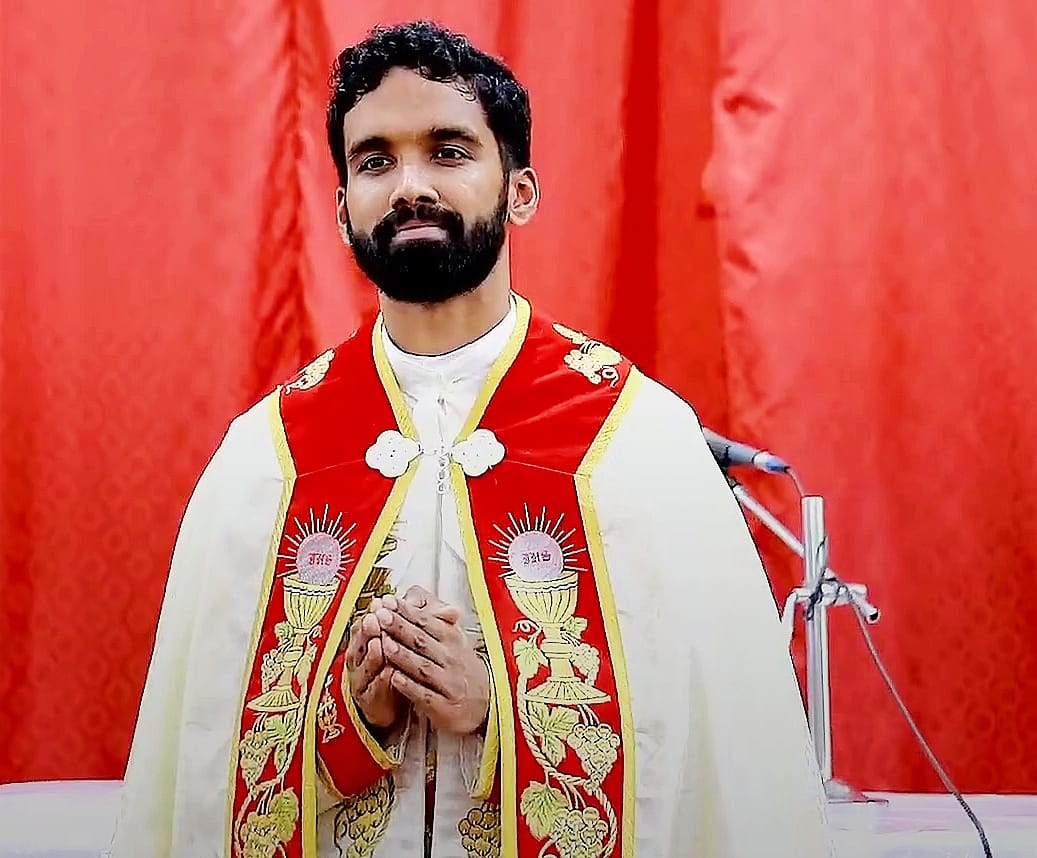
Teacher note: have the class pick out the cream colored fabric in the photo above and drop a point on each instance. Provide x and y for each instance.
(175, 797)
(723, 762)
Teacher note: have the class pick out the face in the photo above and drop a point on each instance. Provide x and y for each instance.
(427, 202)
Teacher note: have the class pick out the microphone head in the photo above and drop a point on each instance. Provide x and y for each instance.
(730, 453)
(770, 463)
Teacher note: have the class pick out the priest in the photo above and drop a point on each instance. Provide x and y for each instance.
(469, 584)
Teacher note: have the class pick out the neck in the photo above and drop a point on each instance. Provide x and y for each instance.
(435, 329)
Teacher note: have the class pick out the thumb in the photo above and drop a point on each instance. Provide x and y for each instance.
(422, 598)
(447, 613)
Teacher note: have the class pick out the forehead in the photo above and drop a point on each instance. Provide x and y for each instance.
(405, 105)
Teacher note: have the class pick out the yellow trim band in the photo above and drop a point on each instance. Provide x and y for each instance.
(491, 744)
(497, 372)
(386, 758)
(607, 600)
(288, 474)
(390, 384)
(329, 781)
(498, 665)
(499, 368)
(364, 565)
(394, 752)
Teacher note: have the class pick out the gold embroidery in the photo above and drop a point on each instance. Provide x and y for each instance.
(265, 832)
(287, 466)
(327, 714)
(608, 603)
(555, 716)
(313, 374)
(364, 818)
(480, 831)
(377, 584)
(594, 360)
(580, 833)
(269, 815)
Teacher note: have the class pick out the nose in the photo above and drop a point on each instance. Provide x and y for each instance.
(413, 187)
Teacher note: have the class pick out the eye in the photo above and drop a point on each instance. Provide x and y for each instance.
(450, 153)
(373, 163)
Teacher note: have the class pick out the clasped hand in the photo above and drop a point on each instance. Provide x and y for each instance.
(415, 650)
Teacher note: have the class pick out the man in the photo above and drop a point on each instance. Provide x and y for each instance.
(469, 584)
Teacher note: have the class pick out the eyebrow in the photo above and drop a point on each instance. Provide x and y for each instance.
(442, 135)
(374, 143)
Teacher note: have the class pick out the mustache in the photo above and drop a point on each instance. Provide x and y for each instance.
(441, 216)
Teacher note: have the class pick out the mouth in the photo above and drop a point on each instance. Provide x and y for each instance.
(417, 229)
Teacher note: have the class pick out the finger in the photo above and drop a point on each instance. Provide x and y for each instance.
(449, 613)
(412, 637)
(381, 683)
(356, 646)
(372, 628)
(360, 635)
(418, 596)
(423, 698)
(422, 598)
(442, 625)
(361, 676)
(417, 667)
(347, 638)
(369, 668)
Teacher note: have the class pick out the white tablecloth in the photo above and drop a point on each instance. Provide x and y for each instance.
(74, 819)
(935, 826)
(58, 819)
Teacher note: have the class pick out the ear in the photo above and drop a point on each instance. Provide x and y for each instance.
(340, 207)
(341, 215)
(524, 195)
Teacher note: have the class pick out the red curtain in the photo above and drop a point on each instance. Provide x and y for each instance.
(877, 171)
(170, 252)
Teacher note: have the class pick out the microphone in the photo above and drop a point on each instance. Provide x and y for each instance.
(731, 454)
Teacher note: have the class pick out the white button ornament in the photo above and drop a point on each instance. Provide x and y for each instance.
(479, 452)
(392, 454)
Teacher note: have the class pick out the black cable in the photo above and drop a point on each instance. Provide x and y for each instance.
(815, 597)
(792, 475)
(933, 761)
(841, 588)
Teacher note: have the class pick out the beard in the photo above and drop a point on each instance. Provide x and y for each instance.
(431, 271)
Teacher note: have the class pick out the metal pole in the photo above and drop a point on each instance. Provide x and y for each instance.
(771, 522)
(815, 560)
(834, 593)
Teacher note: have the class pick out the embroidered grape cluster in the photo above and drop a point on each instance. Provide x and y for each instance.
(597, 747)
(253, 754)
(579, 833)
(365, 816)
(265, 832)
(260, 837)
(480, 831)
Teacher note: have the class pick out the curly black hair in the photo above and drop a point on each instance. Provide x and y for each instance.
(436, 54)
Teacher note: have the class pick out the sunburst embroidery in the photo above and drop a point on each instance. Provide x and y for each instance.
(537, 549)
(320, 549)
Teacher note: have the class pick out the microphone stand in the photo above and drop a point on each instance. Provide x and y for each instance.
(821, 590)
